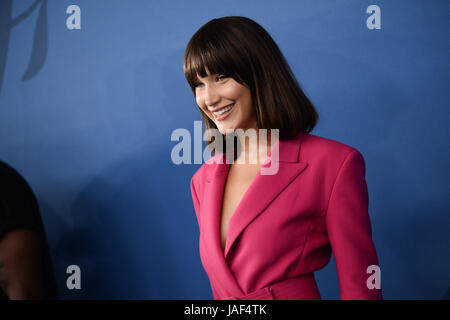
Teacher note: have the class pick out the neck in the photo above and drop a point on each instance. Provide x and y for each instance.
(253, 147)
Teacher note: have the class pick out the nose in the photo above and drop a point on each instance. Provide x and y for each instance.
(211, 97)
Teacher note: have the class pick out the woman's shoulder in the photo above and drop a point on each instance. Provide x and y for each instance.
(314, 147)
(202, 173)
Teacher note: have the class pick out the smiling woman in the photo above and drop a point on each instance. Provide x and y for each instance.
(234, 60)
(226, 102)
(263, 236)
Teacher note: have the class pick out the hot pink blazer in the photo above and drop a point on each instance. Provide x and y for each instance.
(288, 224)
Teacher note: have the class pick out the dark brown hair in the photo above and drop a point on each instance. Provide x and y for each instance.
(240, 48)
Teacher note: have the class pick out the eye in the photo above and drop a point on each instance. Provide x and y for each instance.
(222, 77)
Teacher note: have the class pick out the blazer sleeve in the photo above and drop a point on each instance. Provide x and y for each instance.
(195, 201)
(349, 230)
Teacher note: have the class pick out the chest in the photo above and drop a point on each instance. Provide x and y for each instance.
(237, 183)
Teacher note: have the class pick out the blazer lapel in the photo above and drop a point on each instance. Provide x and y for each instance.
(265, 188)
(211, 217)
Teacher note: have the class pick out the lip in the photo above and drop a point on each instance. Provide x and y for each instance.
(226, 114)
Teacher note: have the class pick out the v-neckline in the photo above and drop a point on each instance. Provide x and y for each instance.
(227, 172)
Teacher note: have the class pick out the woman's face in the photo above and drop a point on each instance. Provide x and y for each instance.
(226, 102)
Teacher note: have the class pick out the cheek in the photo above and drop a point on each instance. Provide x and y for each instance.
(198, 101)
(201, 105)
(208, 114)
(247, 106)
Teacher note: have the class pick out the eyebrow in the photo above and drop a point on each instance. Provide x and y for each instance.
(199, 78)
(211, 75)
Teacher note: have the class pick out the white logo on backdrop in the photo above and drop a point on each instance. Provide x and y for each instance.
(74, 280)
(74, 20)
(374, 21)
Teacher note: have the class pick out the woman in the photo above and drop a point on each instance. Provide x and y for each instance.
(263, 236)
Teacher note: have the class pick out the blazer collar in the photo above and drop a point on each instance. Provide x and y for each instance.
(263, 190)
(289, 151)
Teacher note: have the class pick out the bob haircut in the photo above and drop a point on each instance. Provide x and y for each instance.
(240, 48)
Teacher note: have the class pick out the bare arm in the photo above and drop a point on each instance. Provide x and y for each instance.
(20, 265)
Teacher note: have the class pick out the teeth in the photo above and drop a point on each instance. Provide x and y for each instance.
(222, 111)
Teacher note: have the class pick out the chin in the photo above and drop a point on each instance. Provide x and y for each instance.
(224, 130)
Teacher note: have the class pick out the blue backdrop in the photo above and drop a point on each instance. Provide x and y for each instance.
(86, 117)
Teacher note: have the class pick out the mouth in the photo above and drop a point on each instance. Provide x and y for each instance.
(223, 113)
